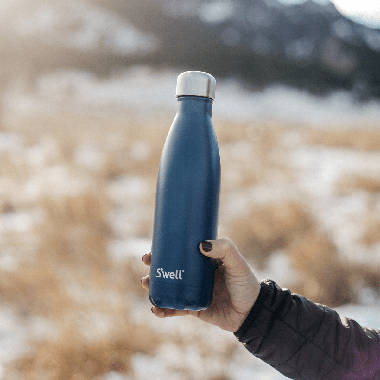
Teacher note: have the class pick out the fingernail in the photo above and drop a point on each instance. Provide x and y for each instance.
(142, 259)
(206, 246)
(152, 310)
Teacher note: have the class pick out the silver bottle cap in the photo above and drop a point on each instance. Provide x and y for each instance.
(196, 83)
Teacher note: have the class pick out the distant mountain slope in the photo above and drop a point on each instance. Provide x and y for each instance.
(309, 45)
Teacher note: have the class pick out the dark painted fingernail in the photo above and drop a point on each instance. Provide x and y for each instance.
(151, 309)
(206, 246)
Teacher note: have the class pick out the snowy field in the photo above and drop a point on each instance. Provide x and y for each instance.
(126, 90)
(79, 157)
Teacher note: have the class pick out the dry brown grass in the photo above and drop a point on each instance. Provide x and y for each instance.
(12, 169)
(73, 356)
(59, 282)
(125, 144)
(364, 139)
(69, 274)
(352, 183)
(75, 230)
(367, 275)
(371, 233)
(35, 289)
(71, 240)
(326, 275)
(269, 227)
(6, 206)
(264, 144)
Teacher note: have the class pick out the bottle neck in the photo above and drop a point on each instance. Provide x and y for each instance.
(192, 103)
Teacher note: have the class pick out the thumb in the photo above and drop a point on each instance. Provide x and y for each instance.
(226, 251)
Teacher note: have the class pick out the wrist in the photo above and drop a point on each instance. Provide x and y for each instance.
(252, 309)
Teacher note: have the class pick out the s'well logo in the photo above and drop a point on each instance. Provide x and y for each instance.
(177, 275)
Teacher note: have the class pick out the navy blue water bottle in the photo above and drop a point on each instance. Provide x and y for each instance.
(187, 200)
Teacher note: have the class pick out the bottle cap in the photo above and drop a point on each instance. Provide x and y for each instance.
(196, 83)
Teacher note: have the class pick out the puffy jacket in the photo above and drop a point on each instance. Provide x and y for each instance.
(305, 340)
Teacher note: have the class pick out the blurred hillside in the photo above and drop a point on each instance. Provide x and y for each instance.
(308, 45)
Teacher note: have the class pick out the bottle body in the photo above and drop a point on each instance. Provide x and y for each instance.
(186, 209)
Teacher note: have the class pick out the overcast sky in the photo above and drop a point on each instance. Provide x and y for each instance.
(365, 11)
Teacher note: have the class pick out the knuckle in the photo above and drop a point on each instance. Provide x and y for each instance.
(226, 244)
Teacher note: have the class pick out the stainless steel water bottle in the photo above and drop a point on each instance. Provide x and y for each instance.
(187, 200)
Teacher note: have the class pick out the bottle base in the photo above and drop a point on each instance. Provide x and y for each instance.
(179, 304)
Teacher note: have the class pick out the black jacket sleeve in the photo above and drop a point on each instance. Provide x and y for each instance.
(305, 340)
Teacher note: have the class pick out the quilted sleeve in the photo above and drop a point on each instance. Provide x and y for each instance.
(305, 340)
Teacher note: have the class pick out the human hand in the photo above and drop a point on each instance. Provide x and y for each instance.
(235, 287)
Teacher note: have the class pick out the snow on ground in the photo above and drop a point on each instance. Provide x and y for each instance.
(122, 248)
(278, 267)
(321, 167)
(12, 336)
(319, 170)
(240, 366)
(368, 316)
(146, 90)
